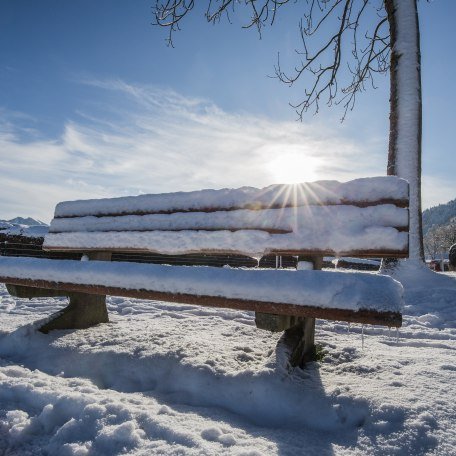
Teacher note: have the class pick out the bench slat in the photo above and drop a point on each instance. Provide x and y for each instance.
(343, 240)
(271, 220)
(371, 253)
(372, 317)
(371, 298)
(359, 192)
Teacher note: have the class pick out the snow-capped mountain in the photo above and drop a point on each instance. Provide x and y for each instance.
(26, 221)
(20, 226)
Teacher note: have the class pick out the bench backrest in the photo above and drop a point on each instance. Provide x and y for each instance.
(363, 217)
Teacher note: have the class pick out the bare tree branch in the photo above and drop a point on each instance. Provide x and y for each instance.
(365, 55)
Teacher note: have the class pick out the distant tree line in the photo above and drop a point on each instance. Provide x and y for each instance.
(439, 215)
(440, 238)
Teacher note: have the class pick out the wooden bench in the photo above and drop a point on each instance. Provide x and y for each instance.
(361, 218)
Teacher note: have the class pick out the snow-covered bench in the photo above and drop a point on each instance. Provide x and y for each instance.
(362, 218)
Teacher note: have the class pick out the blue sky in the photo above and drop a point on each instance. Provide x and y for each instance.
(93, 104)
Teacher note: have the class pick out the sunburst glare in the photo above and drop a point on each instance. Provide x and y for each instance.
(294, 166)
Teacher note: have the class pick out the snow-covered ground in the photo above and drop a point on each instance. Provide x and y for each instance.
(175, 379)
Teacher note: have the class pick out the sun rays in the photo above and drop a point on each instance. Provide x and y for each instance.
(300, 198)
(294, 165)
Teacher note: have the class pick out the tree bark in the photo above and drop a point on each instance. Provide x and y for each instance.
(404, 155)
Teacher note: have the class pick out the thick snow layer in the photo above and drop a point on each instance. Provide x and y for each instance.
(307, 218)
(327, 289)
(321, 192)
(342, 238)
(249, 242)
(172, 379)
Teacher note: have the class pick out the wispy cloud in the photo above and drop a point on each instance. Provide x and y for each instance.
(146, 139)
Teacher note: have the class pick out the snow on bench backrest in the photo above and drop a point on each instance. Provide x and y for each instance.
(362, 217)
(387, 189)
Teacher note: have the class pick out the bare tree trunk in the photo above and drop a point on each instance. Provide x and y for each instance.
(404, 155)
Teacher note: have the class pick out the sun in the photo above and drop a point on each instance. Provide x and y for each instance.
(293, 167)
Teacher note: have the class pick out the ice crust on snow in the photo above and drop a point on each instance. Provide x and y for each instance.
(327, 289)
(320, 192)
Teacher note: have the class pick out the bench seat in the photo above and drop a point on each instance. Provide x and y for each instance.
(361, 297)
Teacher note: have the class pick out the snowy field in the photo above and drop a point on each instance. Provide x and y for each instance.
(182, 380)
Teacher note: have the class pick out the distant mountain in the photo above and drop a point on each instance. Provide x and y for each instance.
(438, 215)
(21, 226)
(26, 221)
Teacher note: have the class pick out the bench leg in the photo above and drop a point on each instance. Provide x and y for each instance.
(300, 340)
(301, 337)
(83, 311)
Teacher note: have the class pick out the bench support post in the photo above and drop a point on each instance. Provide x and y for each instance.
(300, 338)
(274, 322)
(301, 342)
(84, 310)
(299, 331)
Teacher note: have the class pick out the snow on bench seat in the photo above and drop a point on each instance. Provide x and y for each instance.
(361, 297)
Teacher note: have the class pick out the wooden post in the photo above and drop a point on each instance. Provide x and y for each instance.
(299, 331)
(84, 310)
(301, 337)
(274, 322)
